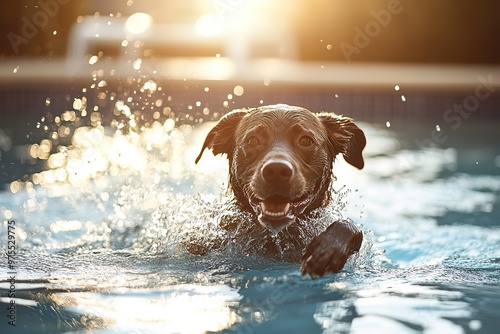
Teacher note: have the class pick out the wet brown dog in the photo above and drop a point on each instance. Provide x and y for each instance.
(280, 168)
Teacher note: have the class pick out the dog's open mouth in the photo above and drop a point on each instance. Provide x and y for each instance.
(276, 211)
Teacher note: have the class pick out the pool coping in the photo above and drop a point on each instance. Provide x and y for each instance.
(259, 71)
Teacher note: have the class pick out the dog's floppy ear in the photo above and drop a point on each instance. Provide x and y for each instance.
(344, 137)
(221, 138)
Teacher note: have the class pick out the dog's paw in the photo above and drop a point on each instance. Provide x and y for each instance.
(329, 251)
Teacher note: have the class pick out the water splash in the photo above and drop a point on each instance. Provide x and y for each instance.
(134, 164)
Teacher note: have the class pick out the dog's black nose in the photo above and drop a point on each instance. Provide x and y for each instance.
(277, 171)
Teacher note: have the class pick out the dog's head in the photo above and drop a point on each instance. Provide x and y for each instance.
(280, 158)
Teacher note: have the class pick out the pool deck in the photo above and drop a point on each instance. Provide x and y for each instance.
(266, 71)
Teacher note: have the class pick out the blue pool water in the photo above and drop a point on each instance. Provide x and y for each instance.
(99, 233)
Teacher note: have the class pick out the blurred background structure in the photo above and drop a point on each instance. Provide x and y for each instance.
(447, 31)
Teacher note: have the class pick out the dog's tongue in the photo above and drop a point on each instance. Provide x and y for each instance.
(275, 209)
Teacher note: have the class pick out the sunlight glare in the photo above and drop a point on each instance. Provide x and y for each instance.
(175, 308)
(209, 25)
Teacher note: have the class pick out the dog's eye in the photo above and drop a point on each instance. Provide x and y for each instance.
(306, 141)
(253, 141)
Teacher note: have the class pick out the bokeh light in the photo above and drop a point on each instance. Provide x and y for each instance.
(138, 23)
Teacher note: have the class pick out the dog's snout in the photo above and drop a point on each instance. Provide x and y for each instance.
(277, 171)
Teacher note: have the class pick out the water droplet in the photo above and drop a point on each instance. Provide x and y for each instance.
(7, 214)
(238, 90)
(396, 88)
(475, 325)
(137, 64)
(169, 124)
(267, 82)
(77, 104)
(167, 111)
(47, 101)
(15, 69)
(93, 60)
(388, 124)
(403, 98)
(149, 86)
(329, 47)
(438, 128)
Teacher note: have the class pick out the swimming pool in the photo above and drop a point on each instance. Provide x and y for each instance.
(99, 227)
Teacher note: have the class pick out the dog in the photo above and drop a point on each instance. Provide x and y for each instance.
(280, 169)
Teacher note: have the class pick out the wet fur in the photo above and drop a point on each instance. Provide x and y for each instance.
(280, 128)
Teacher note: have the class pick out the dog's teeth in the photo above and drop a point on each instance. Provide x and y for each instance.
(266, 212)
(287, 207)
